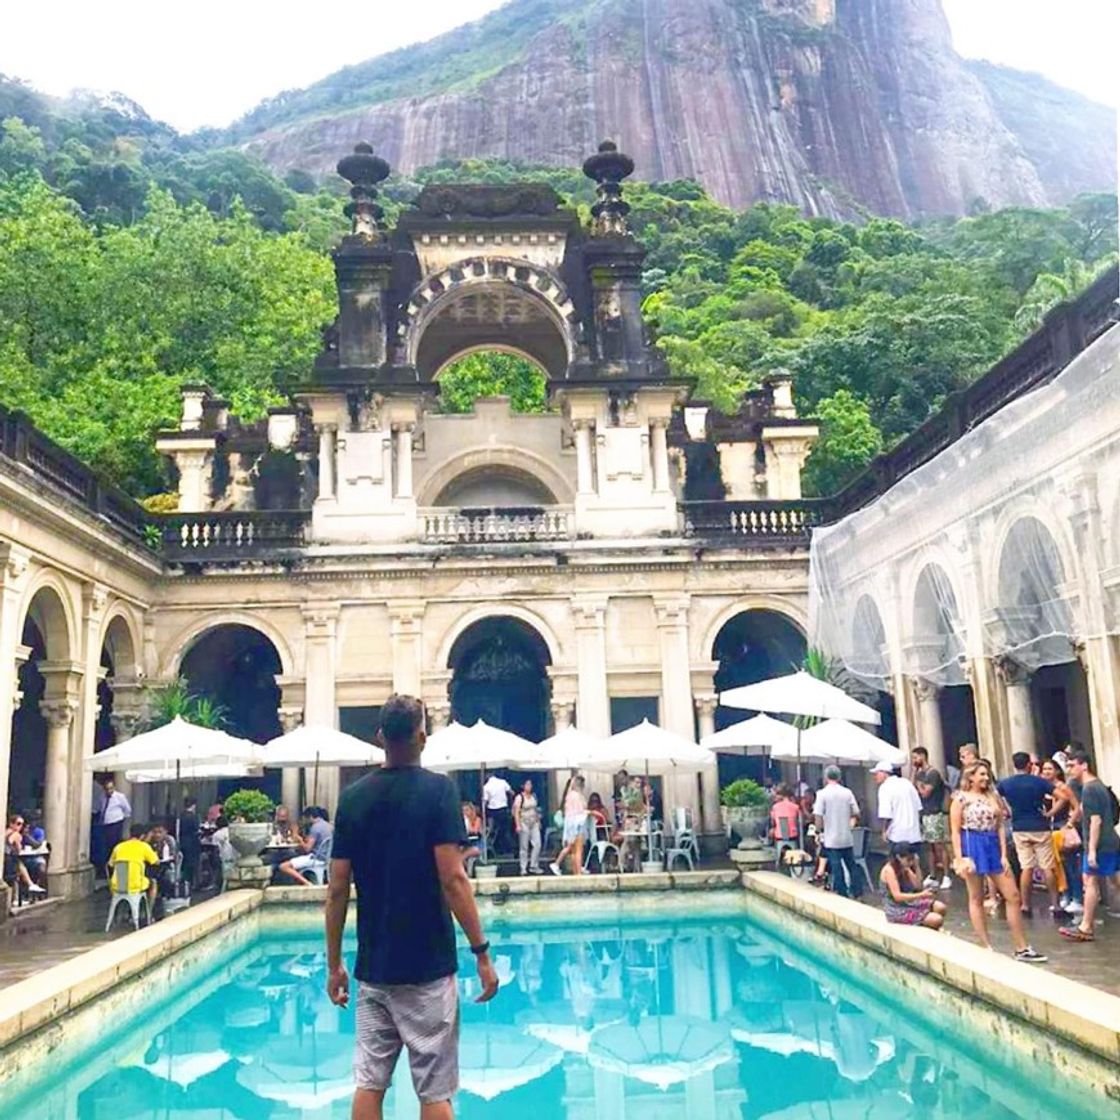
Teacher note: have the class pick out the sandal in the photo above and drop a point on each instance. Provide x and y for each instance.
(1075, 933)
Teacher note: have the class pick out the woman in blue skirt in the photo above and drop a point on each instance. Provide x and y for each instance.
(976, 819)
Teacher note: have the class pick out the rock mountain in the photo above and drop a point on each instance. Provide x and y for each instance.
(834, 105)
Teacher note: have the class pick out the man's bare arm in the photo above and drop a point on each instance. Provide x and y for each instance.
(338, 900)
(460, 898)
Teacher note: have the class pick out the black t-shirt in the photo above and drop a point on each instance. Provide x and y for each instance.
(935, 803)
(1026, 794)
(388, 825)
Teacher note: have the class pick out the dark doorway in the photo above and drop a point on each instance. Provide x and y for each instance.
(28, 769)
(500, 675)
(751, 647)
(958, 719)
(236, 666)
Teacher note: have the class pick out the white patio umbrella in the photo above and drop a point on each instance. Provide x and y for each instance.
(799, 694)
(759, 735)
(480, 747)
(495, 1058)
(843, 741)
(312, 747)
(569, 750)
(179, 749)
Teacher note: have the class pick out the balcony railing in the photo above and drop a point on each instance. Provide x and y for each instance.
(497, 525)
(231, 536)
(763, 523)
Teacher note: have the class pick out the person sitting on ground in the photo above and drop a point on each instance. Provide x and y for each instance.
(785, 809)
(15, 871)
(138, 854)
(1100, 842)
(315, 845)
(980, 849)
(906, 901)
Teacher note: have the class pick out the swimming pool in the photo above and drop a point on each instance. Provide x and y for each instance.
(704, 1015)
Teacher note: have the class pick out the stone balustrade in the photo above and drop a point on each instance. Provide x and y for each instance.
(496, 525)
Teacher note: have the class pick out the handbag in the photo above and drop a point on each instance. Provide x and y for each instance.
(1071, 839)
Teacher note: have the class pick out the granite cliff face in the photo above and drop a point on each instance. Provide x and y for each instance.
(834, 105)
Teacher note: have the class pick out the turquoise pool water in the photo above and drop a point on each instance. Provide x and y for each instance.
(706, 1019)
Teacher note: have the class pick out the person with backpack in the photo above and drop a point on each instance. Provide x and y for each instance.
(1100, 842)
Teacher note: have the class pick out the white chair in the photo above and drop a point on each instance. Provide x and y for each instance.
(787, 840)
(599, 848)
(684, 834)
(135, 900)
(319, 871)
(861, 845)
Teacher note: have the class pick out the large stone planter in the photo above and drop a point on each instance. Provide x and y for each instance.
(746, 822)
(249, 840)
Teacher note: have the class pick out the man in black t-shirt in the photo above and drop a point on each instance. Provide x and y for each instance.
(399, 836)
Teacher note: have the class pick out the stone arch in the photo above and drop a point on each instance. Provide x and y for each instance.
(189, 636)
(517, 459)
(935, 609)
(475, 301)
(793, 612)
(120, 636)
(1030, 509)
(495, 610)
(49, 605)
(868, 636)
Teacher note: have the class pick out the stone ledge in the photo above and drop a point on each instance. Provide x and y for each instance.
(1027, 991)
(40, 999)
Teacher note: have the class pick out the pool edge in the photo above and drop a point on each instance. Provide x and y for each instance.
(1030, 993)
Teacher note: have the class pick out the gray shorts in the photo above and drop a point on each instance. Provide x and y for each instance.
(424, 1018)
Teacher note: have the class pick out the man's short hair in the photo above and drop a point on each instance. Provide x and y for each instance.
(138, 831)
(922, 751)
(401, 718)
(1080, 754)
(1020, 760)
(832, 773)
(315, 811)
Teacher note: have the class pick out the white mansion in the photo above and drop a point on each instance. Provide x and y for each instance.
(627, 553)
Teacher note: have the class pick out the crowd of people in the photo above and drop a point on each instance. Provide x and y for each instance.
(1048, 827)
(515, 822)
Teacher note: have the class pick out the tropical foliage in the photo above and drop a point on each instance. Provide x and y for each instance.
(175, 700)
(133, 260)
(744, 794)
(248, 805)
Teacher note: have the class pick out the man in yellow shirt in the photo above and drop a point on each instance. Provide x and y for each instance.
(139, 856)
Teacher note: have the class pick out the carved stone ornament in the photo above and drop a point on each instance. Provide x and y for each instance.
(706, 704)
(59, 712)
(290, 718)
(925, 690)
(608, 167)
(471, 200)
(364, 171)
(1009, 671)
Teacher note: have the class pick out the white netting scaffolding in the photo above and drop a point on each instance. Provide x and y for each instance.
(1000, 546)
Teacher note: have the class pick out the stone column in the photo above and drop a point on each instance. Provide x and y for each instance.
(584, 470)
(59, 713)
(439, 714)
(711, 821)
(125, 725)
(593, 703)
(194, 467)
(327, 463)
(290, 719)
(404, 460)
(320, 705)
(14, 564)
(406, 619)
(1016, 681)
(676, 693)
(929, 721)
(659, 447)
(95, 599)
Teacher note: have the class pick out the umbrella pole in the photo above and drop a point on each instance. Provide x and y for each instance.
(799, 760)
(485, 819)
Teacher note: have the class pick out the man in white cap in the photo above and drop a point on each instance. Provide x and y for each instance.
(900, 807)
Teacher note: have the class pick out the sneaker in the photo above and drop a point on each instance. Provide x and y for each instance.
(554, 868)
(929, 882)
(36, 889)
(946, 883)
(1058, 912)
(1030, 956)
(1074, 907)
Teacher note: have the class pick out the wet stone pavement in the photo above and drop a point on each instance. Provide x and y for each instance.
(49, 933)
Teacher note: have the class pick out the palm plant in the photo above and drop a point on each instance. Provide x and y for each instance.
(175, 700)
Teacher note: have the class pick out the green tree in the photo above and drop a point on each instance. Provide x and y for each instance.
(849, 441)
(491, 373)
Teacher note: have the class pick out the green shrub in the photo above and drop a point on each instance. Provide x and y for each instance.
(744, 794)
(249, 805)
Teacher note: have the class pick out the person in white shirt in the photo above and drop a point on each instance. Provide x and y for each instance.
(97, 852)
(900, 807)
(496, 794)
(114, 816)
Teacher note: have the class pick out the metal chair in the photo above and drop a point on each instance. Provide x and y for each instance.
(320, 871)
(684, 833)
(599, 848)
(787, 840)
(861, 845)
(135, 900)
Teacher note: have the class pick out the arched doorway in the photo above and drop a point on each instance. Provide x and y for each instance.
(937, 655)
(492, 372)
(870, 666)
(752, 646)
(28, 769)
(236, 666)
(499, 669)
(1033, 626)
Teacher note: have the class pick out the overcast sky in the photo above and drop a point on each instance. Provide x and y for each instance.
(206, 62)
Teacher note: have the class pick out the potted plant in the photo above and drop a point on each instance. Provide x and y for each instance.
(250, 821)
(745, 807)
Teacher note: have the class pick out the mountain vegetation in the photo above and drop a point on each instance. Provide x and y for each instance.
(133, 261)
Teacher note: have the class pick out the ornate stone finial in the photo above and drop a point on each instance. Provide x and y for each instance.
(608, 167)
(364, 171)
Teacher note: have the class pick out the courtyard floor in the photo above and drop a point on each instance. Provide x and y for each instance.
(53, 932)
